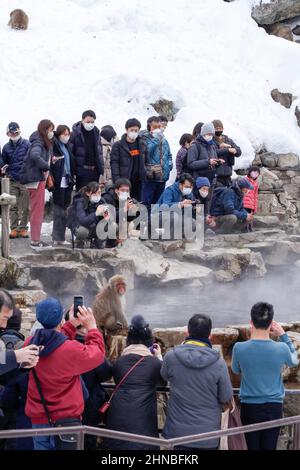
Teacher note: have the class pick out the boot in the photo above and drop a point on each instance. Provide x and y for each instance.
(23, 233)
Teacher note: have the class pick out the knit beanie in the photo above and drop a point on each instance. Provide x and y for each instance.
(49, 312)
(201, 181)
(108, 133)
(208, 128)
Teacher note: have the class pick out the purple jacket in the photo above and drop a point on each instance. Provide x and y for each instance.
(181, 161)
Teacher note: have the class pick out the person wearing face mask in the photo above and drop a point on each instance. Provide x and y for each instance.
(227, 207)
(201, 192)
(33, 174)
(89, 208)
(251, 198)
(86, 146)
(128, 158)
(202, 158)
(13, 154)
(62, 171)
(226, 150)
(159, 162)
(108, 138)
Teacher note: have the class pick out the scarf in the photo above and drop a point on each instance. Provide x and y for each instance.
(192, 340)
(139, 349)
(67, 162)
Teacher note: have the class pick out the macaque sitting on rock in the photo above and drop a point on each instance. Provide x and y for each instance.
(18, 19)
(109, 305)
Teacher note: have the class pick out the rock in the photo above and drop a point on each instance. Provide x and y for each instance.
(282, 31)
(224, 276)
(224, 336)
(292, 191)
(27, 298)
(243, 330)
(269, 179)
(10, 272)
(256, 267)
(296, 30)
(166, 108)
(285, 99)
(180, 272)
(297, 114)
(169, 337)
(263, 221)
(270, 13)
(269, 159)
(279, 255)
(288, 160)
(171, 246)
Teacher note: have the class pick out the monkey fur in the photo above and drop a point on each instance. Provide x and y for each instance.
(108, 307)
(18, 19)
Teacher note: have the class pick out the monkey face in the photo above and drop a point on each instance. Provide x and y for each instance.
(121, 288)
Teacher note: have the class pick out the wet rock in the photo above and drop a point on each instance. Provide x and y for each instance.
(270, 13)
(285, 99)
(166, 108)
(180, 272)
(256, 267)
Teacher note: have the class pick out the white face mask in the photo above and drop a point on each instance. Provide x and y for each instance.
(89, 126)
(50, 135)
(15, 139)
(208, 138)
(123, 195)
(203, 193)
(132, 135)
(95, 199)
(254, 175)
(157, 132)
(186, 191)
(64, 139)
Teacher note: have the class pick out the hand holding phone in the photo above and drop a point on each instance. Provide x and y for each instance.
(78, 302)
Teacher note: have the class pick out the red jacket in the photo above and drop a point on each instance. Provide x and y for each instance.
(251, 198)
(59, 374)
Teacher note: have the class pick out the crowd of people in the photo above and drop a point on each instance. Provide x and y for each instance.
(56, 378)
(133, 170)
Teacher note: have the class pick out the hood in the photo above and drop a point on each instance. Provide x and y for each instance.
(220, 190)
(36, 137)
(201, 139)
(196, 357)
(50, 339)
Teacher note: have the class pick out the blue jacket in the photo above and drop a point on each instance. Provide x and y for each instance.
(36, 161)
(228, 201)
(13, 155)
(173, 195)
(155, 147)
(77, 147)
(85, 211)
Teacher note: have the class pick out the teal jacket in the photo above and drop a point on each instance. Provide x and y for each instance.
(155, 147)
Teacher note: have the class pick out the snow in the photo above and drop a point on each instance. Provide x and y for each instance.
(118, 56)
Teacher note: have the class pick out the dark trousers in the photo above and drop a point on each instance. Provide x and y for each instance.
(87, 177)
(258, 413)
(190, 449)
(151, 192)
(61, 200)
(136, 190)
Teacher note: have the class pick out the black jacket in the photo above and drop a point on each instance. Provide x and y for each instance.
(226, 168)
(36, 161)
(85, 212)
(111, 198)
(134, 408)
(121, 161)
(56, 169)
(78, 148)
(198, 158)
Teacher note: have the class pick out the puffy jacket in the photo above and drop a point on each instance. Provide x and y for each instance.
(226, 168)
(198, 157)
(36, 161)
(13, 155)
(61, 363)
(228, 201)
(172, 195)
(181, 161)
(111, 198)
(199, 385)
(158, 148)
(85, 211)
(251, 198)
(122, 162)
(77, 146)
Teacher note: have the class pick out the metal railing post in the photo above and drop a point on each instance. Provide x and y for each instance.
(80, 440)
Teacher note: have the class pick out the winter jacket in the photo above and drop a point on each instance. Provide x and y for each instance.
(226, 168)
(111, 198)
(134, 408)
(122, 162)
(57, 168)
(85, 211)
(228, 201)
(172, 195)
(198, 158)
(199, 385)
(106, 148)
(13, 155)
(251, 198)
(78, 148)
(158, 149)
(181, 161)
(8, 363)
(61, 363)
(36, 162)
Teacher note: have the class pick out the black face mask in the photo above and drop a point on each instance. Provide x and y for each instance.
(219, 133)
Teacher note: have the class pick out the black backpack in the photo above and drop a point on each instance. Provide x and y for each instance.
(72, 223)
(12, 339)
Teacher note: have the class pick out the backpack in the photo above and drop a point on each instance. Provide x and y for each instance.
(72, 223)
(12, 339)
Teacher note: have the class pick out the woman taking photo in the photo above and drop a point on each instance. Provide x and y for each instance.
(62, 172)
(34, 173)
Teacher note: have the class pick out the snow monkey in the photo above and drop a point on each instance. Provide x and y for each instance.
(18, 19)
(109, 305)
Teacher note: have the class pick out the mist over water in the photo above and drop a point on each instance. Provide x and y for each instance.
(226, 304)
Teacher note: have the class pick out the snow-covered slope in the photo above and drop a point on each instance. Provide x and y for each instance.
(118, 56)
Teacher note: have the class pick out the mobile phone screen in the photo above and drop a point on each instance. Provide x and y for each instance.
(78, 302)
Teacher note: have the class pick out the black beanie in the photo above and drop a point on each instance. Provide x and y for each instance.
(108, 133)
(14, 323)
(139, 332)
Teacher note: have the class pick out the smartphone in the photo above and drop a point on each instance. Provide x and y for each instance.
(78, 302)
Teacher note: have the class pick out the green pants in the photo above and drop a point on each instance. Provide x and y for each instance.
(19, 213)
